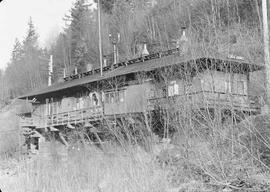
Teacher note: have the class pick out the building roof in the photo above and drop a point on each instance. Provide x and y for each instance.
(145, 66)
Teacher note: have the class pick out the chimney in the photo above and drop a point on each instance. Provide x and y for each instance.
(184, 37)
(89, 67)
(64, 73)
(145, 51)
(182, 42)
(104, 62)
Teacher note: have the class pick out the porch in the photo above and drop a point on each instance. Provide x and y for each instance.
(208, 99)
(64, 118)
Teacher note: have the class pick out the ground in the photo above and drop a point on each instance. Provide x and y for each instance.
(184, 164)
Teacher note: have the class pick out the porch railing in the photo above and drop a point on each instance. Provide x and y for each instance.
(203, 99)
(76, 116)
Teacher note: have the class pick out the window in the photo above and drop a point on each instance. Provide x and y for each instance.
(107, 98)
(94, 97)
(188, 88)
(164, 92)
(111, 97)
(240, 87)
(227, 86)
(173, 89)
(228, 83)
(151, 93)
(115, 97)
(121, 96)
(207, 83)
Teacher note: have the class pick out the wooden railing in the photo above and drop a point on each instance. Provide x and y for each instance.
(26, 121)
(208, 99)
(74, 117)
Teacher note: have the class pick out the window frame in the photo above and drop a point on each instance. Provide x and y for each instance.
(115, 97)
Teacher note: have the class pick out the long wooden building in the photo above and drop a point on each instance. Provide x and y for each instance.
(139, 85)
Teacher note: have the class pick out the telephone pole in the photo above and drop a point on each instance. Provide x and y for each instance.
(50, 71)
(99, 37)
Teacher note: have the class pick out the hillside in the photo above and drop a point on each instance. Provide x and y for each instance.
(9, 126)
(212, 27)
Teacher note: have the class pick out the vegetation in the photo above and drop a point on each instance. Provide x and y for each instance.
(213, 27)
(27, 69)
(201, 155)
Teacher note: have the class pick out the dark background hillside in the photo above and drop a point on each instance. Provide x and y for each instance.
(213, 26)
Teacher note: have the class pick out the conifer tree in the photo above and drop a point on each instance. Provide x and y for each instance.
(28, 66)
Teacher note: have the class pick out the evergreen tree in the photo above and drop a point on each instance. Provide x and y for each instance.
(78, 34)
(28, 66)
(35, 60)
(61, 52)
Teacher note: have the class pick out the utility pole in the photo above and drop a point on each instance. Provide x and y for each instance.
(50, 71)
(99, 37)
(115, 41)
(266, 50)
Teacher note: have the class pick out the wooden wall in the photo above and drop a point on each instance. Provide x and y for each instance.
(224, 82)
(135, 100)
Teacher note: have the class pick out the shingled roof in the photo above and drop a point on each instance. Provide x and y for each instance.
(145, 66)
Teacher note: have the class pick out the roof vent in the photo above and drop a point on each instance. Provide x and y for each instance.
(105, 62)
(145, 51)
(182, 42)
(89, 67)
(64, 73)
(184, 37)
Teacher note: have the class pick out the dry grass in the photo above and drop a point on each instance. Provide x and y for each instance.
(9, 133)
(195, 160)
(90, 169)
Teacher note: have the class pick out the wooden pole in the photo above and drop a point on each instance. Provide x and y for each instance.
(50, 71)
(99, 37)
(266, 49)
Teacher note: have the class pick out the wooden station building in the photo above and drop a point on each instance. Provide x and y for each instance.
(139, 85)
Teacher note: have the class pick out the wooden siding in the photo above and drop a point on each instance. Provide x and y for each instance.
(115, 102)
(208, 89)
(137, 96)
(134, 101)
(222, 82)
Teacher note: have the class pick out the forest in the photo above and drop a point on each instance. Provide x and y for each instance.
(213, 27)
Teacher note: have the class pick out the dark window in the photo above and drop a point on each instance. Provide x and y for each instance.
(115, 97)
(121, 96)
(241, 87)
(107, 98)
(95, 99)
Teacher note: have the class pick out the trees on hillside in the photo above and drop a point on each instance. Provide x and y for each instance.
(213, 26)
(78, 44)
(28, 68)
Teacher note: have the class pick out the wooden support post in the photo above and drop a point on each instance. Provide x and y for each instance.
(63, 139)
(20, 141)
